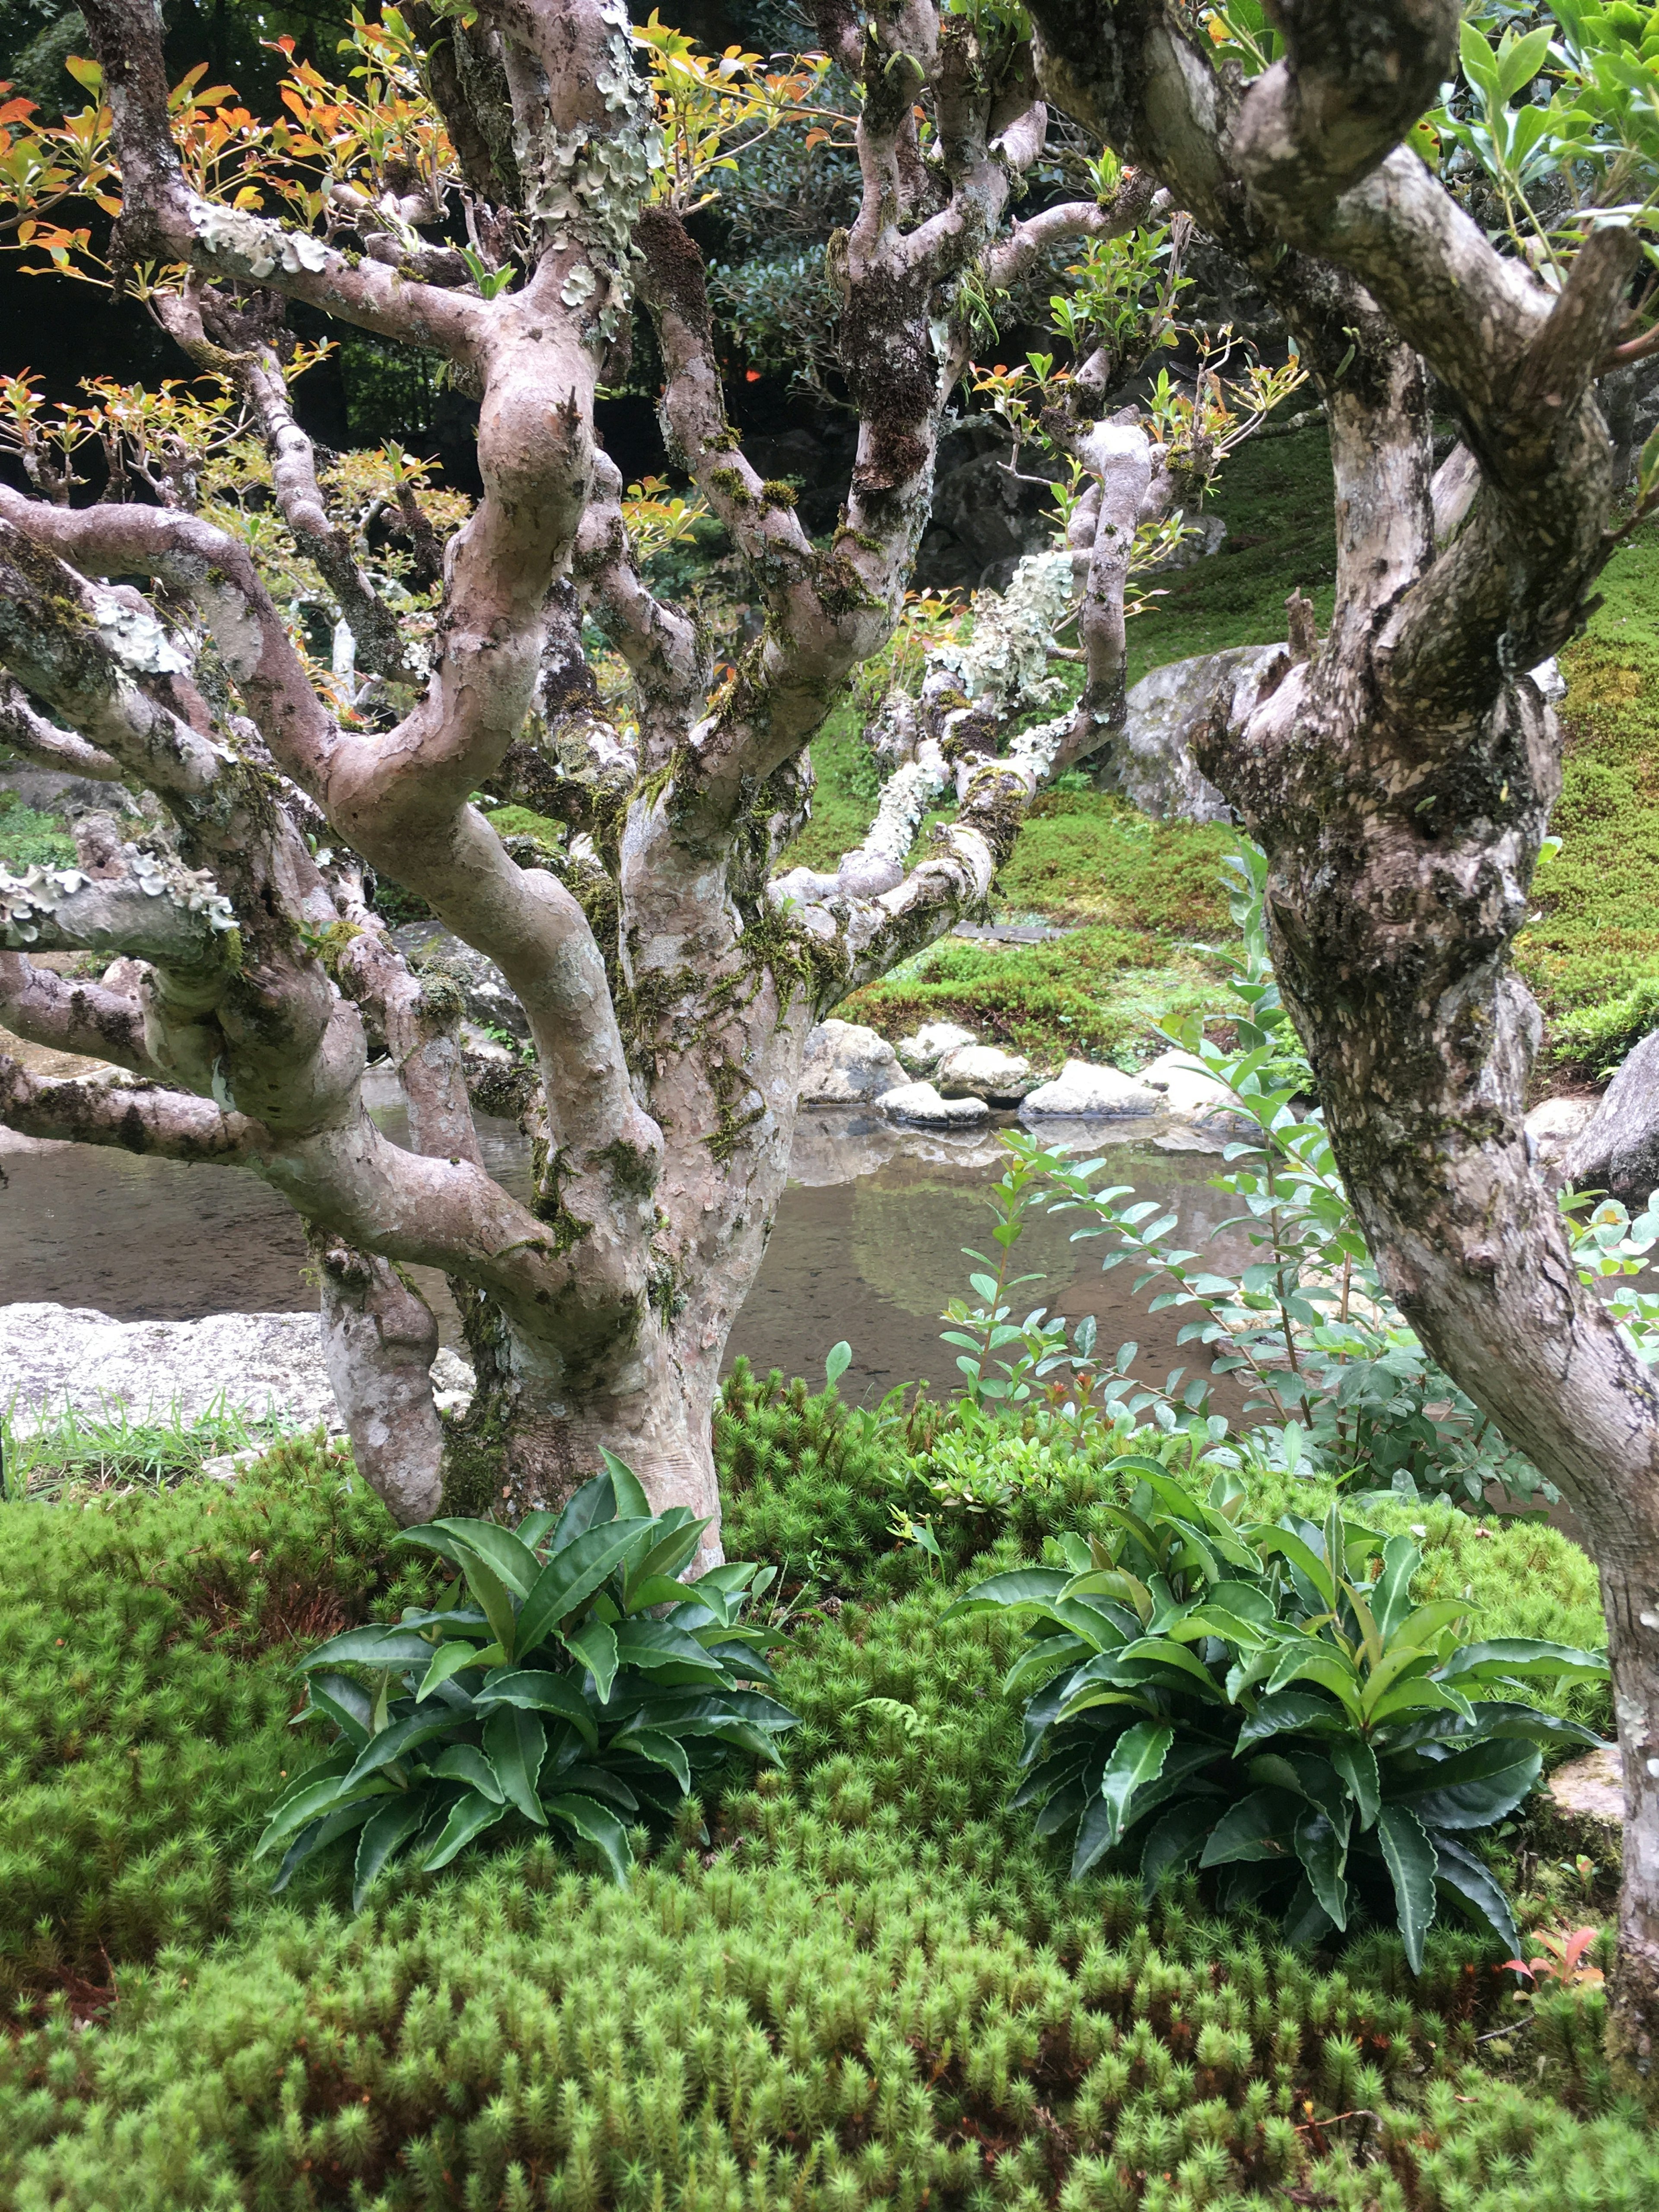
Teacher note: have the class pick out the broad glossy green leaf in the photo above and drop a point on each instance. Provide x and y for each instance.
(385, 1835)
(1175, 1841)
(1410, 1858)
(1514, 1656)
(1287, 1545)
(450, 1658)
(596, 1782)
(595, 1645)
(662, 1751)
(297, 1812)
(1042, 1660)
(342, 1701)
(1322, 1849)
(1474, 1787)
(465, 1762)
(1288, 1710)
(1497, 1716)
(469, 1817)
(1304, 1919)
(1391, 1598)
(1259, 1826)
(587, 1818)
(572, 1575)
(515, 1743)
(662, 1561)
(508, 1557)
(1025, 1586)
(650, 1644)
(402, 1737)
(1356, 1762)
(1136, 1759)
(657, 1589)
(1306, 1660)
(370, 1647)
(632, 1503)
(1476, 1889)
(586, 1508)
(1168, 1653)
(1419, 1693)
(537, 1692)
(342, 1821)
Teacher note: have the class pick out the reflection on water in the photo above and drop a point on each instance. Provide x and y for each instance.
(866, 1245)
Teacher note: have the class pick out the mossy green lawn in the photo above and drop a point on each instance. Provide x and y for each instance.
(1144, 895)
(871, 1987)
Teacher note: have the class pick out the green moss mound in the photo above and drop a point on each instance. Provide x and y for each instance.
(146, 1649)
(1591, 951)
(863, 1983)
(30, 839)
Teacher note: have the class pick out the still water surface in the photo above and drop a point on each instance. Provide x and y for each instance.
(866, 1245)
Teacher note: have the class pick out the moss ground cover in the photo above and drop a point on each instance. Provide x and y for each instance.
(862, 1982)
(30, 839)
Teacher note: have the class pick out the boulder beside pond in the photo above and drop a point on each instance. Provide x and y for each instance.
(921, 1053)
(1082, 1089)
(920, 1103)
(847, 1064)
(984, 1071)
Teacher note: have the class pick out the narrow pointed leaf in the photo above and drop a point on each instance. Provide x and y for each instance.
(469, 1817)
(382, 1837)
(536, 1692)
(572, 1575)
(1410, 1858)
(1319, 1848)
(587, 1818)
(515, 1743)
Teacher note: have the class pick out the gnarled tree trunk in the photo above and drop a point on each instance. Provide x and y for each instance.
(1401, 779)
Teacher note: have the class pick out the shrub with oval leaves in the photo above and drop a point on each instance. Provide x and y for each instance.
(565, 1677)
(1267, 1701)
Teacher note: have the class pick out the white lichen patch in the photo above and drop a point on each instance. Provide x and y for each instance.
(253, 246)
(133, 634)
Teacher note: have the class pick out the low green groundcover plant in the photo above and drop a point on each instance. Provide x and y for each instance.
(1267, 1699)
(564, 1675)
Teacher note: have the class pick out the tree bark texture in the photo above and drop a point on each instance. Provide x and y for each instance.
(668, 985)
(1401, 778)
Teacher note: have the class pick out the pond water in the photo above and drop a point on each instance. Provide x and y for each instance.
(866, 1245)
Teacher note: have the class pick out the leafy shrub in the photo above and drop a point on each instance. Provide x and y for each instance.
(563, 1691)
(1166, 1659)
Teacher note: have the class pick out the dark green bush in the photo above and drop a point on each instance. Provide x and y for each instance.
(1270, 1699)
(565, 1674)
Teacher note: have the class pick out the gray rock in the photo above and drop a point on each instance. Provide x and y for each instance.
(1587, 1797)
(1083, 1089)
(1554, 1122)
(1151, 764)
(984, 1071)
(1190, 1093)
(846, 1064)
(428, 946)
(920, 1103)
(262, 1364)
(921, 1053)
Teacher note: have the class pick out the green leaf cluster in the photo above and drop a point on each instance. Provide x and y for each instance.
(565, 1676)
(1269, 1700)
